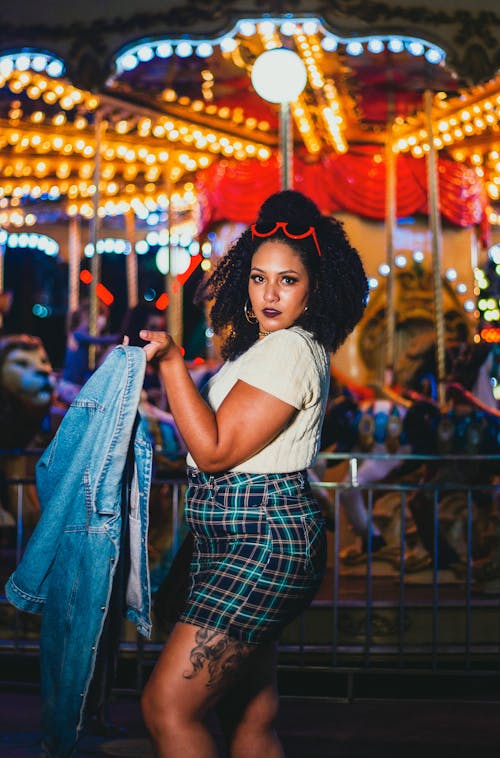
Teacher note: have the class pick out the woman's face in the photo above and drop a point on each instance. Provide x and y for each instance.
(278, 287)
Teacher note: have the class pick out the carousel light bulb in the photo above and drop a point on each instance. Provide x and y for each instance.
(164, 50)
(39, 62)
(434, 55)
(204, 50)
(55, 68)
(6, 65)
(228, 44)
(288, 28)
(145, 53)
(329, 44)
(266, 28)
(246, 28)
(279, 75)
(184, 49)
(128, 62)
(375, 46)
(354, 48)
(310, 27)
(395, 45)
(22, 62)
(415, 48)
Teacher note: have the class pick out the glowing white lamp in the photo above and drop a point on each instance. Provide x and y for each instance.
(279, 76)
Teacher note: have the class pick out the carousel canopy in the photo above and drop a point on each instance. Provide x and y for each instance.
(127, 109)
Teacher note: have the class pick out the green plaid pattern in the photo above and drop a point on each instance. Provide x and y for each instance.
(260, 552)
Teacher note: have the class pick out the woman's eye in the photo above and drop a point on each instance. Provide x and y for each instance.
(289, 280)
(256, 278)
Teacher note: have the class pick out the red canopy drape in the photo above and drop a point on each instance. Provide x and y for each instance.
(234, 190)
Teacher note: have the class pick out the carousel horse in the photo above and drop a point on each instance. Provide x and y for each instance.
(466, 425)
(377, 426)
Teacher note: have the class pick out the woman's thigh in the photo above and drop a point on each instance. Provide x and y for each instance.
(196, 667)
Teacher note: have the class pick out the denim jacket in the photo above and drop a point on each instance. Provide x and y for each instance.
(93, 483)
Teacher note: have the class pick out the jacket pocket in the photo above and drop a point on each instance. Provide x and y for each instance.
(76, 419)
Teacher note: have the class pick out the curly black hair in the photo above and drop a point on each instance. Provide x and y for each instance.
(338, 284)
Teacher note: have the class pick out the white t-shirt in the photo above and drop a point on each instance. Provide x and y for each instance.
(292, 366)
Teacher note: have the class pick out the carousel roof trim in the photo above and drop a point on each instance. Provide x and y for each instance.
(34, 59)
(87, 35)
(164, 46)
(154, 137)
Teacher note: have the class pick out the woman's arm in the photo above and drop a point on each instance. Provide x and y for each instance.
(247, 420)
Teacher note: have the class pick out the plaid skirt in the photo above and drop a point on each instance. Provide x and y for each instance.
(260, 552)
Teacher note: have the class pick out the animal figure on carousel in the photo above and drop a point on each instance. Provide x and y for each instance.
(410, 421)
(416, 424)
(373, 425)
(26, 389)
(26, 392)
(468, 425)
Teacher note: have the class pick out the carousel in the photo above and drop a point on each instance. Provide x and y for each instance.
(160, 154)
(134, 149)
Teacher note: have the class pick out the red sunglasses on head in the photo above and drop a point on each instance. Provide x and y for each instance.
(311, 232)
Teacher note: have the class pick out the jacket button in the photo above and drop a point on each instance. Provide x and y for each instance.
(103, 607)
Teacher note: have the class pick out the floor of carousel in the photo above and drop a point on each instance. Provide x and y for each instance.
(309, 728)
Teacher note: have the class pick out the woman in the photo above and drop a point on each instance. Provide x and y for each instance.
(288, 291)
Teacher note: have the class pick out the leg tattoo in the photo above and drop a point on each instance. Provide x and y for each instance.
(222, 655)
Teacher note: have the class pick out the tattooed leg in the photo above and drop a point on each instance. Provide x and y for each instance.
(222, 655)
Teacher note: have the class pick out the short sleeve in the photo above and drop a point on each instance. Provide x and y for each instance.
(283, 365)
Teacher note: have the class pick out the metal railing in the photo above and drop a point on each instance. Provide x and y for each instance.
(370, 614)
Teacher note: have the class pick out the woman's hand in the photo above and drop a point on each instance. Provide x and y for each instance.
(160, 347)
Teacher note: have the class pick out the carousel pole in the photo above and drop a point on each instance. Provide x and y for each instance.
(131, 262)
(95, 268)
(2, 254)
(390, 226)
(436, 235)
(279, 76)
(286, 146)
(173, 314)
(74, 251)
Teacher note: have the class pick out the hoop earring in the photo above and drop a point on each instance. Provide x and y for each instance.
(249, 314)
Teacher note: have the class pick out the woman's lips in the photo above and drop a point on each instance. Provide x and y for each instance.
(271, 313)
